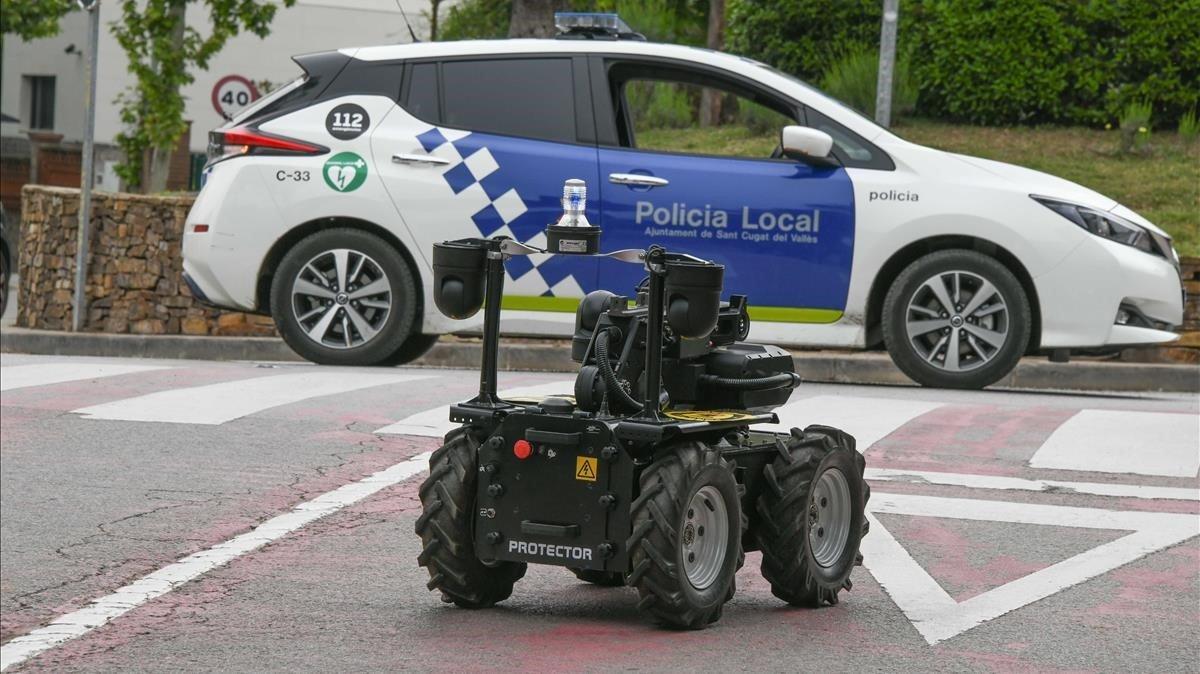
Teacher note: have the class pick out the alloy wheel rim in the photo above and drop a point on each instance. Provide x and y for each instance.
(829, 517)
(957, 321)
(341, 298)
(704, 537)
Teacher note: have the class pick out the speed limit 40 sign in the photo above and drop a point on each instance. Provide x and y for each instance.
(232, 93)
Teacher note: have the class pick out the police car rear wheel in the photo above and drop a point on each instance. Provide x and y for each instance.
(956, 319)
(344, 297)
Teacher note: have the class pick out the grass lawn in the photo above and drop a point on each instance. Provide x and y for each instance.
(1162, 183)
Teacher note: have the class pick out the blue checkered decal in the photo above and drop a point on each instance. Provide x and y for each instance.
(520, 183)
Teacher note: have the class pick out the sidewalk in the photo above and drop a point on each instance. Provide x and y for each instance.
(843, 367)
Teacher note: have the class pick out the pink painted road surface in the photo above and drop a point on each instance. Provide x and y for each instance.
(978, 560)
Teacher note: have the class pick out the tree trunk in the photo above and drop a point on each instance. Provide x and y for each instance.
(433, 19)
(534, 18)
(710, 99)
(158, 163)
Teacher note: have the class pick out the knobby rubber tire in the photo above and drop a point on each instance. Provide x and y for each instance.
(659, 513)
(895, 331)
(601, 578)
(447, 542)
(394, 333)
(783, 525)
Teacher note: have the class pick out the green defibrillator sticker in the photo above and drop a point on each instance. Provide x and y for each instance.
(345, 171)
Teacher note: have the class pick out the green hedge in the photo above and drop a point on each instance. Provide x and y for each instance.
(803, 37)
(999, 61)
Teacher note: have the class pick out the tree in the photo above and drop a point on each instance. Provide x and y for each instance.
(710, 100)
(432, 15)
(535, 18)
(31, 19)
(476, 19)
(162, 49)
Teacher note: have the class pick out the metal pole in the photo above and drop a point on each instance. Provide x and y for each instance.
(887, 62)
(491, 328)
(656, 265)
(79, 314)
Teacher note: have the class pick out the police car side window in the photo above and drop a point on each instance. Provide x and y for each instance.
(533, 98)
(423, 100)
(675, 116)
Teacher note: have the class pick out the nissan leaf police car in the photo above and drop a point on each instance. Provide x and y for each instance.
(322, 201)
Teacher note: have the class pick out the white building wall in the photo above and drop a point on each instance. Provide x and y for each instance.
(308, 26)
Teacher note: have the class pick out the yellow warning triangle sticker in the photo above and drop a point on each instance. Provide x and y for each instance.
(585, 468)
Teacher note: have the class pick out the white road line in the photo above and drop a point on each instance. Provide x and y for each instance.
(218, 403)
(436, 422)
(869, 420)
(1110, 441)
(43, 374)
(1022, 484)
(158, 583)
(934, 612)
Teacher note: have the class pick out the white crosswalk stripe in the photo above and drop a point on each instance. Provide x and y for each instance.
(43, 374)
(219, 403)
(869, 420)
(1114, 441)
(435, 423)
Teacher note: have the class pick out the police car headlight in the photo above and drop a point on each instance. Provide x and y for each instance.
(1114, 228)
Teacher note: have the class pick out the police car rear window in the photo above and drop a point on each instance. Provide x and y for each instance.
(533, 98)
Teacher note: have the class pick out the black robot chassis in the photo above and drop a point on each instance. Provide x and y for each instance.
(651, 474)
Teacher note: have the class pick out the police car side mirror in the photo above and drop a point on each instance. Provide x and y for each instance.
(806, 143)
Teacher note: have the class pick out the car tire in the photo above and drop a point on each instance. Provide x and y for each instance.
(956, 319)
(352, 325)
(414, 347)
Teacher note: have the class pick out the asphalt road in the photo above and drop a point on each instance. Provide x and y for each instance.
(1013, 531)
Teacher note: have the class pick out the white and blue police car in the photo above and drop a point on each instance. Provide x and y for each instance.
(322, 201)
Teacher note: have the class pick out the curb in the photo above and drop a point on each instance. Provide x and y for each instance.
(54, 343)
(554, 356)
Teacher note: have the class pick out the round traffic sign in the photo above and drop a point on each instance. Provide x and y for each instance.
(232, 93)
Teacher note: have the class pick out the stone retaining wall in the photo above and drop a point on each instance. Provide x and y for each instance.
(134, 282)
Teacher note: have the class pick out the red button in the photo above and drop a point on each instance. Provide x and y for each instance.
(522, 449)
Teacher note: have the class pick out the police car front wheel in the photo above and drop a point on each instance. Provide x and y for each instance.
(956, 319)
(343, 297)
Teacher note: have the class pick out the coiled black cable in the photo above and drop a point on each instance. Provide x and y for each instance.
(781, 380)
(606, 372)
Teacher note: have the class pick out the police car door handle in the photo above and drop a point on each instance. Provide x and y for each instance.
(637, 180)
(406, 158)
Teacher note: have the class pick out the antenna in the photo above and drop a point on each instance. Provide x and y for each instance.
(406, 23)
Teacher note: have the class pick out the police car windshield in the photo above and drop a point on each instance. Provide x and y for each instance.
(815, 91)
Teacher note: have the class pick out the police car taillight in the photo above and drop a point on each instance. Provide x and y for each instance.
(244, 140)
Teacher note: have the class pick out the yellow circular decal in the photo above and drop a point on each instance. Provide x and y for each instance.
(709, 415)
